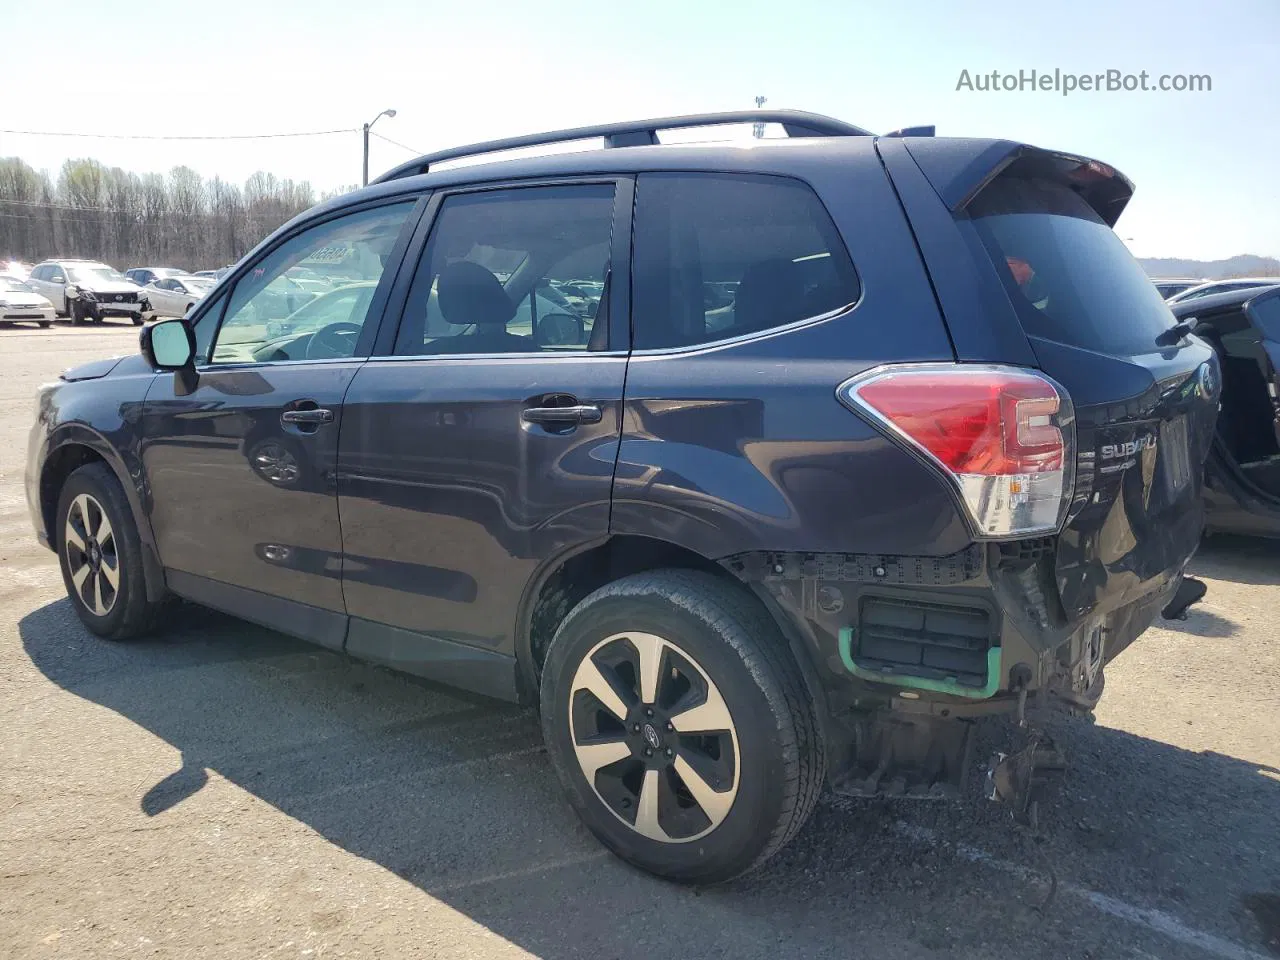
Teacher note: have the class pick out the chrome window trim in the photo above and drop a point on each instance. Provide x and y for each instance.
(531, 355)
(794, 325)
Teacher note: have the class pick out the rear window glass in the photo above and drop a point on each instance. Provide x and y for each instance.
(719, 256)
(1069, 276)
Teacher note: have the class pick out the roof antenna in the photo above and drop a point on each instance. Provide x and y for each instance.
(757, 129)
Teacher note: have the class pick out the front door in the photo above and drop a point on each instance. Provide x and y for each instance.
(240, 463)
(484, 443)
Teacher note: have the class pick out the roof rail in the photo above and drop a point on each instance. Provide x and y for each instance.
(797, 123)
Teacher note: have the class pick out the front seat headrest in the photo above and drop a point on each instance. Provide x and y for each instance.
(468, 293)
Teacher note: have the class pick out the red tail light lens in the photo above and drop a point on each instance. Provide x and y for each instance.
(1002, 435)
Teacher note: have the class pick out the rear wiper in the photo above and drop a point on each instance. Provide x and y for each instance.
(1175, 333)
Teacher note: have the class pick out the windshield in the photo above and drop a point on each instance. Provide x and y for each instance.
(13, 285)
(101, 274)
(1071, 279)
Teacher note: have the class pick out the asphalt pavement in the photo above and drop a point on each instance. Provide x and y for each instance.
(223, 791)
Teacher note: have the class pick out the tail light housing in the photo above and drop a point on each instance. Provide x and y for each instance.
(1003, 436)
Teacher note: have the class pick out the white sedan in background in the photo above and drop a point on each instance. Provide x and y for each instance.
(175, 296)
(19, 302)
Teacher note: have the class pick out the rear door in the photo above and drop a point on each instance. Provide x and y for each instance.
(1145, 399)
(481, 443)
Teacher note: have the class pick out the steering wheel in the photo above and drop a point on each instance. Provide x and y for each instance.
(337, 341)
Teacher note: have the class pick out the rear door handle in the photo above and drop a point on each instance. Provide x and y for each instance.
(582, 413)
(317, 415)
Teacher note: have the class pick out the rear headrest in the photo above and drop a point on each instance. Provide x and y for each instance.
(769, 294)
(469, 293)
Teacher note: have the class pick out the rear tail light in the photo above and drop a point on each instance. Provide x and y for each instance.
(1004, 436)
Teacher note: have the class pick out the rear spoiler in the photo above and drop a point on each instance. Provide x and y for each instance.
(959, 169)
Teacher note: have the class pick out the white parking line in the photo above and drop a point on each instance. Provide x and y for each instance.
(1155, 920)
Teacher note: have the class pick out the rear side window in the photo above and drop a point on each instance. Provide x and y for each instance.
(1069, 276)
(718, 256)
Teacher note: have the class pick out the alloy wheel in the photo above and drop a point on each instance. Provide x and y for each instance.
(93, 561)
(654, 737)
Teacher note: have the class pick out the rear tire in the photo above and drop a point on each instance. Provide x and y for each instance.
(101, 555)
(717, 760)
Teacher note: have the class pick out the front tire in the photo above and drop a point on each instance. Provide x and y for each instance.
(680, 726)
(138, 321)
(75, 312)
(101, 555)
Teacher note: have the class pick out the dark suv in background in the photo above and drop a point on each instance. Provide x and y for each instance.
(752, 465)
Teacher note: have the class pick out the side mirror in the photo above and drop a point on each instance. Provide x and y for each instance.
(168, 345)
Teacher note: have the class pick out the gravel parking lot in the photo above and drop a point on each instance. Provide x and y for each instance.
(225, 791)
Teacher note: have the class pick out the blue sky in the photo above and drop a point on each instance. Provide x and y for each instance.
(1204, 163)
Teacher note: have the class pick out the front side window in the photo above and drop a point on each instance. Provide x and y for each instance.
(719, 256)
(513, 271)
(308, 299)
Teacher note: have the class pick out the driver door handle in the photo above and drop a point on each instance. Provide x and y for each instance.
(583, 413)
(317, 415)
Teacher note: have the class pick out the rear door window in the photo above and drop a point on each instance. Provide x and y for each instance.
(719, 256)
(1069, 276)
(519, 270)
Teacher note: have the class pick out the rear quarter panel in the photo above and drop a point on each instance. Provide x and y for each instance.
(744, 446)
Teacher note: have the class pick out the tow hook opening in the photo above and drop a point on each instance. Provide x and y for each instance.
(1189, 591)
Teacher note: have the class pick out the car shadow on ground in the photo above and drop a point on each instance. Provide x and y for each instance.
(1253, 560)
(452, 794)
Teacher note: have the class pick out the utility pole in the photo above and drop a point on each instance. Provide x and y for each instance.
(757, 129)
(364, 179)
(364, 176)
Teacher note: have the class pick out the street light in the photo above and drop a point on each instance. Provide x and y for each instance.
(385, 113)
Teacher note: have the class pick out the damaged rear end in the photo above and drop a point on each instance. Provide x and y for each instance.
(1072, 429)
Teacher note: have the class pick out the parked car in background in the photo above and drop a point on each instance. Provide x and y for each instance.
(939, 458)
(1168, 286)
(88, 290)
(213, 274)
(18, 302)
(1211, 287)
(1242, 475)
(175, 296)
(338, 305)
(145, 275)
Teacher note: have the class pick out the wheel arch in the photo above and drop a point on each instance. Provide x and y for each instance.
(76, 445)
(564, 581)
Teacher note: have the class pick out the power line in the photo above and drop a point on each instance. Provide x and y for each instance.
(142, 136)
(52, 205)
(396, 143)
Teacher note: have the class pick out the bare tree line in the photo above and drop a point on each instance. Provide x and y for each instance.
(127, 219)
